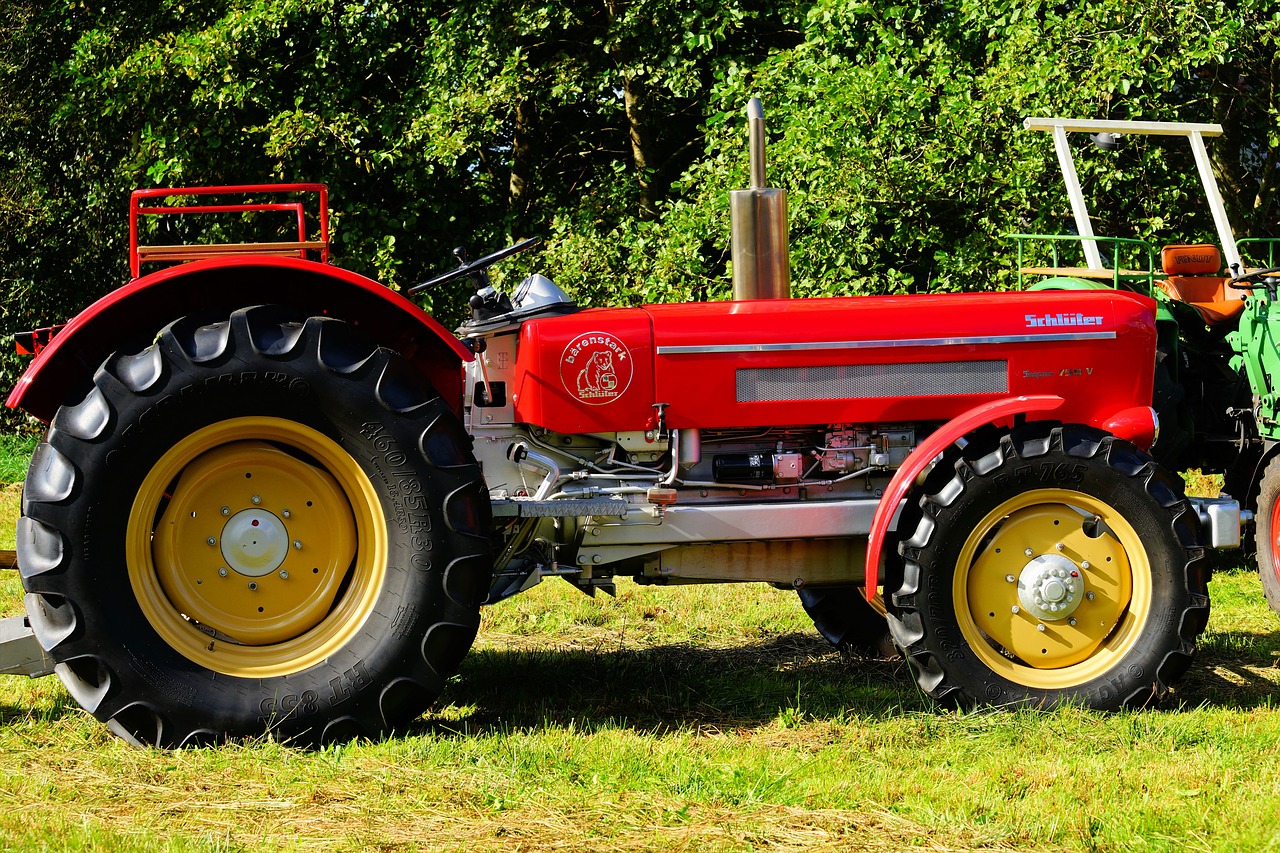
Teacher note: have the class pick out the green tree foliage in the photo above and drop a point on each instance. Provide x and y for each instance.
(614, 129)
(902, 143)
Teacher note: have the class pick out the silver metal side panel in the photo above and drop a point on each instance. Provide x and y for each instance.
(737, 522)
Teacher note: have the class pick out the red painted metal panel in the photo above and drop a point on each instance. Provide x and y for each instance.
(1081, 346)
(1094, 349)
(586, 372)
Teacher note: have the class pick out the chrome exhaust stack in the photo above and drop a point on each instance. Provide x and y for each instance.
(758, 226)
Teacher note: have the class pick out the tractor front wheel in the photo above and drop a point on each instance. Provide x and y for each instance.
(259, 524)
(1059, 568)
(1267, 533)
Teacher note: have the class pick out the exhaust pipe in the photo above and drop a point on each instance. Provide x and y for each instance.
(758, 226)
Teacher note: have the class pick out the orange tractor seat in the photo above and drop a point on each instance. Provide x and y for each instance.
(1193, 275)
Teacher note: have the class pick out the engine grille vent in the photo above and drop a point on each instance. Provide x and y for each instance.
(862, 381)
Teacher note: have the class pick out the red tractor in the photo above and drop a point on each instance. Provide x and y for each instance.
(274, 494)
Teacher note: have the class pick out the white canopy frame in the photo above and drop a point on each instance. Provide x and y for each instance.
(1194, 133)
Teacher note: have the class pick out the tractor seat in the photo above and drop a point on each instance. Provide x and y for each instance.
(1193, 275)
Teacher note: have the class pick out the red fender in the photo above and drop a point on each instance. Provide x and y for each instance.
(928, 451)
(145, 305)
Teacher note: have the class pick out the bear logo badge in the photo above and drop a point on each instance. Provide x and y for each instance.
(596, 368)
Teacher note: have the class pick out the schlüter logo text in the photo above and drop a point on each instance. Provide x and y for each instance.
(596, 368)
(1037, 321)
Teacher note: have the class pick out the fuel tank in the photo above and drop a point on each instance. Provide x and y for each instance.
(870, 359)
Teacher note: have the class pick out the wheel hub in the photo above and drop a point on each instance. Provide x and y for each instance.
(1050, 587)
(254, 542)
(1046, 586)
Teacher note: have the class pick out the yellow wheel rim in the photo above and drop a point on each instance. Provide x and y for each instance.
(256, 547)
(1052, 588)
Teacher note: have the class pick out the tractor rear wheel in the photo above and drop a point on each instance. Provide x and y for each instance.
(1061, 567)
(259, 524)
(846, 620)
(1267, 533)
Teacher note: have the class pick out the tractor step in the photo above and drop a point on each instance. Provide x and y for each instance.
(564, 508)
(20, 654)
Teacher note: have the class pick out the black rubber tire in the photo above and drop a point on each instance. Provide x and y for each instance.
(1157, 646)
(847, 621)
(1170, 402)
(422, 604)
(1267, 533)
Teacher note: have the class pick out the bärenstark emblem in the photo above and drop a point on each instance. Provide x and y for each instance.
(596, 368)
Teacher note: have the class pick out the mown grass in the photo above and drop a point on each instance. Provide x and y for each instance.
(15, 453)
(694, 718)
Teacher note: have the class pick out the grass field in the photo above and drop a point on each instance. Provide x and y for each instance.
(696, 718)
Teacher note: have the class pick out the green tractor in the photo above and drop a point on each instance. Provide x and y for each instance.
(1217, 382)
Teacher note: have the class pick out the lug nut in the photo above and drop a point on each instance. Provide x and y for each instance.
(1016, 610)
(1041, 628)
(1072, 621)
(1089, 595)
(257, 499)
(1008, 578)
(226, 510)
(286, 513)
(212, 541)
(1029, 552)
(284, 574)
(222, 573)
(297, 544)
(253, 584)
(1060, 547)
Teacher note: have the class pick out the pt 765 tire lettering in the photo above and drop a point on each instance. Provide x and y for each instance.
(1060, 565)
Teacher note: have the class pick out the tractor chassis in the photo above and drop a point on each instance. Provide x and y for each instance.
(683, 529)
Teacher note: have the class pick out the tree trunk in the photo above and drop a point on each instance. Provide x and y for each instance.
(641, 137)
(523, 152)
(1248, 197)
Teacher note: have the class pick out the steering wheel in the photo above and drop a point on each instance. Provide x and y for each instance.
(475, 269)
(1258, 279)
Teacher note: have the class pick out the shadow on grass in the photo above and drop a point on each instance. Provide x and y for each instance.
(683, 686)
(59, 706)
(673, 686)
(1233, 669)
